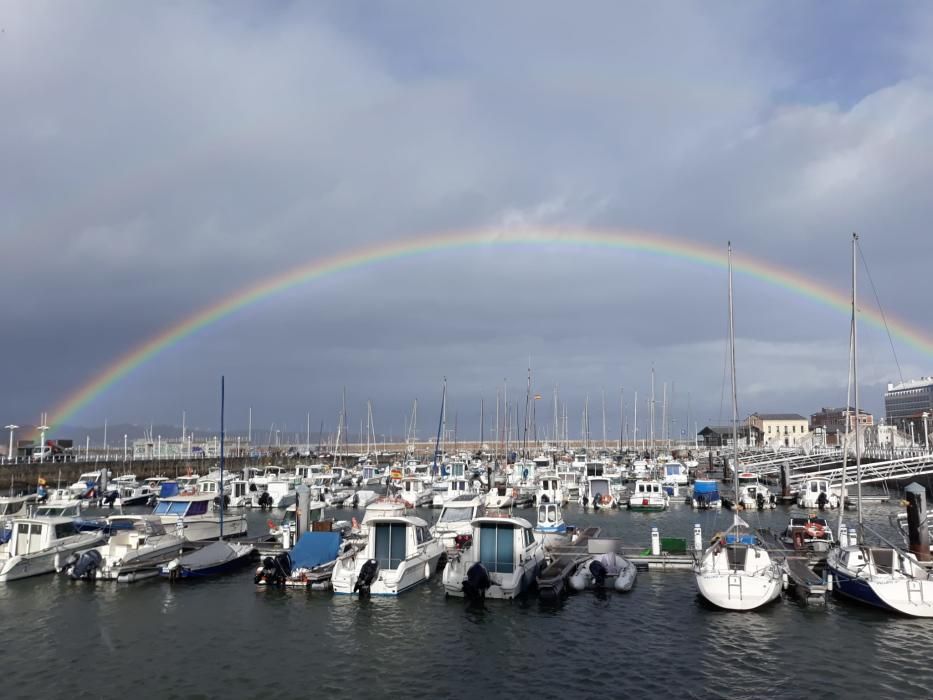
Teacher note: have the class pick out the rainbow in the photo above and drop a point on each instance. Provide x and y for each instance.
(631, 241)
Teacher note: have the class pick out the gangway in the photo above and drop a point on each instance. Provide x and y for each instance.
(891, 470)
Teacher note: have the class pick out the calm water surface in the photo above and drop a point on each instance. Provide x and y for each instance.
(227, 638)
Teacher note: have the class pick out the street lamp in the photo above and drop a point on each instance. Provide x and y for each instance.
(42, 429)
(11, 428)
(926, 429)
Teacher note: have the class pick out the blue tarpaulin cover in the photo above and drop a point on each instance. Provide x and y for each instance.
(741, 539)
(315, 548)
(168, 489)
(705, 487)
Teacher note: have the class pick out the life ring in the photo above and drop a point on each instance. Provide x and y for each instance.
(605, 499)
(814, 530)
(270, 524)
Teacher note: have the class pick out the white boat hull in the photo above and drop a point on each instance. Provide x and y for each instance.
(738, 590)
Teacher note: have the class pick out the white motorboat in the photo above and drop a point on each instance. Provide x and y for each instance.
(499, 496)
(450, 489)
(597, 493)
(808, 534)
(132, 495)
(41, 545)
(648, 495)
(361, 498)
(551, 530)
(276, 528)
(273, 493)
(501, 561)
(674, 473)
(11, 506)
(214, 559)
(132, 553)
(736, 572)
(753, 494)
(64, 498)
(816, 493)
(608, 570)
(197, 517)
(550, 490)
(415, 492)
(456, 519)
(86, 485)
(400, 553)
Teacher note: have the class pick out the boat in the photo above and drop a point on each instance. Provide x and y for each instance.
(451, 488)
(41, 545)
(456, 518)
(132, 553)
(197, 517)
(882, 576)
(211, 560)
(596, 493)
(648, 495)
(809, 534)
(705, 495)
(86, 485)
(131, 495)
(309, 564)
(752, 494)
(551, 530)
(361, 498)
(736, 572)
(400, 553)
(415, 492)
(674, 473)
(816, 493)
(499, 497)
(550, 490)
(608, 570)
(501, 560)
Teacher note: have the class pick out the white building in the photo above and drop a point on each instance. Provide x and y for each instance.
(781, 429)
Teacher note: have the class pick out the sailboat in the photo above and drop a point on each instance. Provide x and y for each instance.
(736, 572)
(882, 576)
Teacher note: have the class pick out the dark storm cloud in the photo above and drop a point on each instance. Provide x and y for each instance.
(164, 156)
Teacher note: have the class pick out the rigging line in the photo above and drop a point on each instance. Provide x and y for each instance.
(880, 309)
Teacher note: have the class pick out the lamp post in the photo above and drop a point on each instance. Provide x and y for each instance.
(11, 428)
(926, 429)
(42, 429)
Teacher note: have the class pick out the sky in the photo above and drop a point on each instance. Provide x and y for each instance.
(159, 157)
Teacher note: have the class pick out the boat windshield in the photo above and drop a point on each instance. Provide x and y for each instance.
(171, 508)
(456, 514)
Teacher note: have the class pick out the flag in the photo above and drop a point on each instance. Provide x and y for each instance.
(739, 522)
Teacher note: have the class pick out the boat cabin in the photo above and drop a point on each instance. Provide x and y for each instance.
(32, 535)
(550, 519)
(503, 542)
(183, 506)
(647, 488)
(460, 509)
(392, 540)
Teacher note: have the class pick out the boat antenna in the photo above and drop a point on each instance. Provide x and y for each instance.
(221, 494)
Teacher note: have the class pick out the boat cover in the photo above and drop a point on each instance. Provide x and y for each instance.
(741, 539)
(315, 548)
(705, 487)
(214, 554)
(167, 489)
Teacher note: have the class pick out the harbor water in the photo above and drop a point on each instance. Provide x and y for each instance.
(228, 638)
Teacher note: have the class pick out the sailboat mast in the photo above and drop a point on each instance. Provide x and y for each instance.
(858, 452)
(440, 427)
(221, 456)
(735, 400)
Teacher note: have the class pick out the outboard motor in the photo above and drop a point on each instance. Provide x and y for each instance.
(760, 500)
(586, 501)
(367, 575)
(477, 582)
(84, 566)
(356, 500)
(599, 573)
(226, 501)
(110, 498)
(597, 497)
(265, 500)
(821, 500)
(275, 570)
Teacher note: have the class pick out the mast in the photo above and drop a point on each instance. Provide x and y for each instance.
(651, 412)
(440, 427)
(858, 452)
(621, 418)
(221, 494)
(735, 401)
(604, 418)
(635, 422)
(482, 421)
